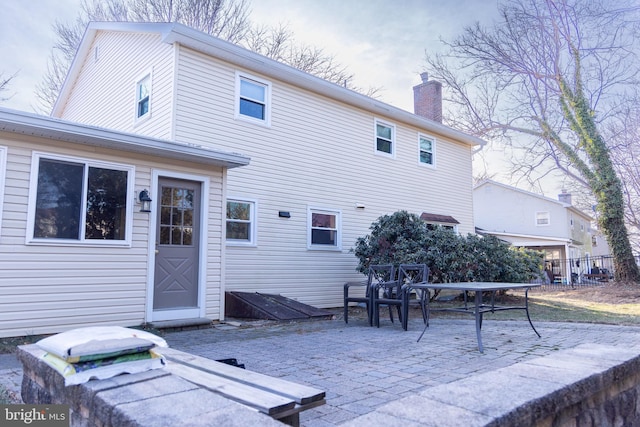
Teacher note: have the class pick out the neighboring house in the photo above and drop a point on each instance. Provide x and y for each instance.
(533, 221)
(326, 162)
(74, 243)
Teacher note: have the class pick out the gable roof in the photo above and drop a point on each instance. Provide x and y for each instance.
(20, 122)
(534, 195)
(234, 54)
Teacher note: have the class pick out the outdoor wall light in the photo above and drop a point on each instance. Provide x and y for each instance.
(284, 214)
(145, 201)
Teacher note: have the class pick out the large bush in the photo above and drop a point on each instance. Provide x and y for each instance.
(404, 238)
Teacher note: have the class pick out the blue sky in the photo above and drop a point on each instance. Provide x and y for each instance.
(382, 42)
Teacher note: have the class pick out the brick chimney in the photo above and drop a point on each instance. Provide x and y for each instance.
(565, 197)
(427, 99)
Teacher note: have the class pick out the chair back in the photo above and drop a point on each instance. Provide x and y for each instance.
(383, 273)
(413, 273)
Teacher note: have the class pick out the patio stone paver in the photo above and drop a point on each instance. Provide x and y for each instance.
(362, 368)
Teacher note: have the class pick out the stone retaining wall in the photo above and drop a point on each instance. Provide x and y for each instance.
(587, 386)
(153, 398)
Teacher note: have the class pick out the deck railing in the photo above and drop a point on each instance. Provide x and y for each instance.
(576, 272)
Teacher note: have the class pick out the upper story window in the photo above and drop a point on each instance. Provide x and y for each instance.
(241, 222)
(324, 229)
(253, 99)
(143, 97)
(427, 146)
(385, 138)
(543, 218)
(79, 201)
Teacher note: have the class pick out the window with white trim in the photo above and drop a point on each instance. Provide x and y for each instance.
(143, 97)
(543, 218)
(253, 99)
(324, 229)
(3, 172)
(385, 138)
(79, 201)
(241, 222)
(426, 148)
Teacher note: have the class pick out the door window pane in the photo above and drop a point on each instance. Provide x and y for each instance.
(176, 216)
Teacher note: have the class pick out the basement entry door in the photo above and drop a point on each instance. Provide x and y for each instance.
(176, 281)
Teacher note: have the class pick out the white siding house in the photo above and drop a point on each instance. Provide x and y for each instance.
(75, 248)
(530, 220)
(325, 161)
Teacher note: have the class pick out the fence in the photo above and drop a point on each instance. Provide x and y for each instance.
(574, 272)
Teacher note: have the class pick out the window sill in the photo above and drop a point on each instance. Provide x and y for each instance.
(324, 248)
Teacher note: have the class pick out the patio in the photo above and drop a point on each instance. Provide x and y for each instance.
(362, 369)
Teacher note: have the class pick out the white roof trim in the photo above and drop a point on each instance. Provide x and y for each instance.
(527, 237)
(20, 122)
(234, 54)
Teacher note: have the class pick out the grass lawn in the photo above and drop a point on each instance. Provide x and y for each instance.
(609, 304)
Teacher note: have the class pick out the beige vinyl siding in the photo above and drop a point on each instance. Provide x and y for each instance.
(104, 93)
(51, 288)
(316, 153)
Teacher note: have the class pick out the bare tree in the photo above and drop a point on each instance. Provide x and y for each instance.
(624, 134)
(4, 83)
(226, 19)
(548, 78)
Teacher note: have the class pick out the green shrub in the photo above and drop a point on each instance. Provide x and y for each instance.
(403, 237)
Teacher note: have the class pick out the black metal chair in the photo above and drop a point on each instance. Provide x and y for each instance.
(414, 278)
(386, 293)
(377, 274)
(411, 277)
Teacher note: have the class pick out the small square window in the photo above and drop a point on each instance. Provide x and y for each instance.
(324, 229)
(385, 138)
(143, 97)
(253, 98)
(241, 222)
(426, 150)
(543, 218)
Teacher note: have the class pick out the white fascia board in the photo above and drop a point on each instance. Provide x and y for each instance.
(20, 122)
(529, 238)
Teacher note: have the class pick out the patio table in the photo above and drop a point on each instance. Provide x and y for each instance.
(479, 308)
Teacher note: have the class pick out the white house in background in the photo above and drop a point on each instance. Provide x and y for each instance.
(325, 161)
(74, 244)
(533, 221)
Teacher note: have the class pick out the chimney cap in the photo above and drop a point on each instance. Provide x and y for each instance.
(424, 76)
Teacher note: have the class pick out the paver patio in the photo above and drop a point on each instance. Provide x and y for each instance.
(362, 368)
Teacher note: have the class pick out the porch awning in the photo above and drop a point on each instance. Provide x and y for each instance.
(443, 219)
